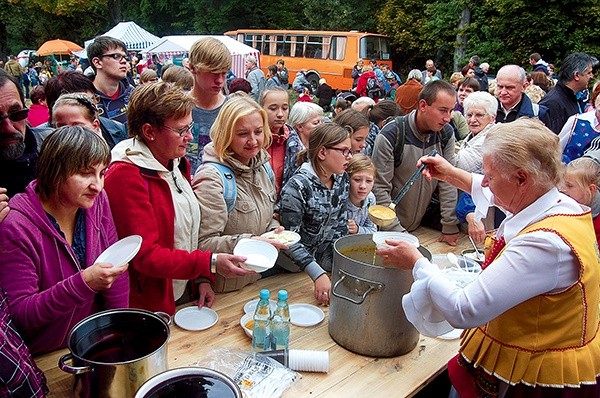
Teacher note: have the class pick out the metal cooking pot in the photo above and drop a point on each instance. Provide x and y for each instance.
(114, 352)
(365, 313)
(189, 382)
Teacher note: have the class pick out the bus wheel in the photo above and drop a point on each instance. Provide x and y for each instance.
(313, 79)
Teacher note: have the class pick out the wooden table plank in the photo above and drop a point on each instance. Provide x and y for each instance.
(350, 374)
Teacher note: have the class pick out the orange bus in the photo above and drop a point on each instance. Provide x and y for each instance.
(327, 54)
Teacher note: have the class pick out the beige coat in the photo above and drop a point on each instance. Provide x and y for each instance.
(253, 210)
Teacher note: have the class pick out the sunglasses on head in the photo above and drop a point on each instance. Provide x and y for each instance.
(16, 116)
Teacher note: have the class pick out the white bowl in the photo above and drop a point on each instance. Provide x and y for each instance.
(260, 255)
(243, 321)
(380, 237)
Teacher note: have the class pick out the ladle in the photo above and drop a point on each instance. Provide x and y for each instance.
(384, 216)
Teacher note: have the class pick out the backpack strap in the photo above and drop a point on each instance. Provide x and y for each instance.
(229, 186)
(270, 172)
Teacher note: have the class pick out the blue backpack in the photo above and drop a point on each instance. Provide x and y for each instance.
(228, 179)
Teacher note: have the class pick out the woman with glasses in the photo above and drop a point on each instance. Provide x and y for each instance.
(240, 136)
(51, 238)
(150, 195)
(480, 111)
(314, 203)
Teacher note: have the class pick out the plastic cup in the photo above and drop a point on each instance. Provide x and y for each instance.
(309, 361)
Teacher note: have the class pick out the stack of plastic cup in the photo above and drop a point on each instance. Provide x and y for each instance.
(309, 361)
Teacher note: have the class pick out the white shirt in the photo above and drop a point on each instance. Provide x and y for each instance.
(532, 264)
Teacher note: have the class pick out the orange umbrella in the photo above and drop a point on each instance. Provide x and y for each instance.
(58, 46)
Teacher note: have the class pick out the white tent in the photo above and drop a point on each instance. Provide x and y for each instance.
(178, 45)
(135, 37)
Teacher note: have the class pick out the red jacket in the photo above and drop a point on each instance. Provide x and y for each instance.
(141, 204)
(361, 87)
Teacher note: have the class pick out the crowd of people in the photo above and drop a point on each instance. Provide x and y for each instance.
(194, 159)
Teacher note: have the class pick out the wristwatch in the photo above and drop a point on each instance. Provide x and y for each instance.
(213, 263)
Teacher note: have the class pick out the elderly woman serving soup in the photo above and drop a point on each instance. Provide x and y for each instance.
(532, 313)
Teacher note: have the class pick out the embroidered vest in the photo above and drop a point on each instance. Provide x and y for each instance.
(550, 339)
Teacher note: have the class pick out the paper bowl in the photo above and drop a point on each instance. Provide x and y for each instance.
(470, 253)
(244, 321)
(380, 237)
(260, 255)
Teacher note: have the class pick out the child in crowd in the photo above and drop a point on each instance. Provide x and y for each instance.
(580, 181)
(362, 177)
(314, 204)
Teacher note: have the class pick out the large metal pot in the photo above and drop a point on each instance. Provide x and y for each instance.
(114, 352)
(190, 382)
(365, 313)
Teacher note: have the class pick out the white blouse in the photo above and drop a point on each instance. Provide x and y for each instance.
(532, 264)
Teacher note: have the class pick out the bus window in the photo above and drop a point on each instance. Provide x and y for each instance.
(374, 47)
(254, 40)
(280, 46)
(338, 48)
(314, 47)
(297, 46)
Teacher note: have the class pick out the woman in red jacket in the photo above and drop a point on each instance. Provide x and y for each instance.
(148, 185)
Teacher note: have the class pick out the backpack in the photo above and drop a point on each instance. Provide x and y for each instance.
(373, 88)
(400, 132)
(229, 185)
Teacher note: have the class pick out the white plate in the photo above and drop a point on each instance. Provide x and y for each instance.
(284, 237)
(121, 252)
(250, 306)
(305, 314)
(451, 335)
(194, 318)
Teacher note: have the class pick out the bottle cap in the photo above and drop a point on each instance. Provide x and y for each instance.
(282, 295)
(264, 294)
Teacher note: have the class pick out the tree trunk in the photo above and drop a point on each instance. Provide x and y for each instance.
(461, 38)
(114, 12)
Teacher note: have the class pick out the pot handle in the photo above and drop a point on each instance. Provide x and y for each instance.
(75, 370)
(371, 284)
(165, 317)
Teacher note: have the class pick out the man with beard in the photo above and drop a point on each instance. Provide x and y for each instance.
(18, 147)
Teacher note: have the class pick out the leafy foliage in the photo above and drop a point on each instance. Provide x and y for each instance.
(499, 31)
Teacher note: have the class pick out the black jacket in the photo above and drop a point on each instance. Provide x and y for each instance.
(16, 174)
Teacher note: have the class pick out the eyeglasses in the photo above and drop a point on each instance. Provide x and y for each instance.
(475, 115)
(344, 151)
(15, 116)
(116, 56)
(182, 130)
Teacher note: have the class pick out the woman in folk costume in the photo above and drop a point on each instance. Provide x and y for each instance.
(532, 314)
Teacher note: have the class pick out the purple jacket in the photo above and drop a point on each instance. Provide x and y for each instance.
(40, 273)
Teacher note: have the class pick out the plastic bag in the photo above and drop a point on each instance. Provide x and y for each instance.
(256, 375)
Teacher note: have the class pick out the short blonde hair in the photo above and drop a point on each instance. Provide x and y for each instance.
(223, 129)
(210, 54)
(367, 68)
(154, 103)
(456, 77)
(526, 144)
(360, 162)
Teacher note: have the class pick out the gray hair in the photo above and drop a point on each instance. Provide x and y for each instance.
(362, 102)
(525, 144)
(251, 58)
(576, 62)
(514, 69)
(301, 112)
(415, 74)
(483, 100)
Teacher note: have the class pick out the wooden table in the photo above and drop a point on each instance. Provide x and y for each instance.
(350, 374)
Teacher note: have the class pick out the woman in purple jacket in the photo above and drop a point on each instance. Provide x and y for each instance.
(51, 238)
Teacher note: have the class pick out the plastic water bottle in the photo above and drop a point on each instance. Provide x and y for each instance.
(261, 332)
(280, 323)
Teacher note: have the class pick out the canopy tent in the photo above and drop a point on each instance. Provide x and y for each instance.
(57, 47)
(179, 45)
(135, 37)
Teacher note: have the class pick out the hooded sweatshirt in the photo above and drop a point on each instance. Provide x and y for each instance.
(115, 108)
(40, 272)
(149, 200)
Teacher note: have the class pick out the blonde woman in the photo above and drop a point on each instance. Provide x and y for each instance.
(240, 137)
